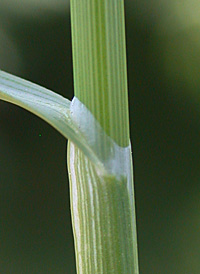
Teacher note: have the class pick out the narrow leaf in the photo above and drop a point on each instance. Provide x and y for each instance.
(51, 107)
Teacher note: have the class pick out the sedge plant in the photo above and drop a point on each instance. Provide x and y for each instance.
(96, 124)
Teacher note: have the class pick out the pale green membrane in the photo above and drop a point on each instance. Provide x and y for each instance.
(72, 119)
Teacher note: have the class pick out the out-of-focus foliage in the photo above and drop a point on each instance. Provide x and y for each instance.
(9, 55)
(163, 65)
(33, 7)
(163, 61)
(173, 30)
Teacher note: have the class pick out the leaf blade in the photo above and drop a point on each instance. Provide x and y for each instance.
(46, 104)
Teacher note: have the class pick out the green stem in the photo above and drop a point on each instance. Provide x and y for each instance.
(99, 62)
(102, 206)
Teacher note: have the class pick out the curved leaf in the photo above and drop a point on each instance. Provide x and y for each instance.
(51, 107)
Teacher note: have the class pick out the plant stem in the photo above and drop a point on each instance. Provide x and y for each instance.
(102, 207)
(99, 62)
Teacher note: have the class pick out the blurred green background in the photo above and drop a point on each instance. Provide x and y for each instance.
(163, 49)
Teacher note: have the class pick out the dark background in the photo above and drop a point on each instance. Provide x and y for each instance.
(163, 50)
